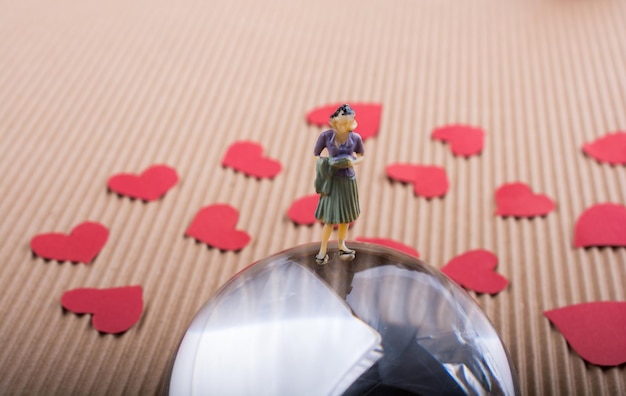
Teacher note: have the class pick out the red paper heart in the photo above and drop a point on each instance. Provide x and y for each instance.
(464, 140)
(114, 310)
(392, 244)
(82, 245)
(474, 270)
(428, 181)
(150, 185)
(595, 330)
(517, 199)
(367, 116)
(215, 226)
(247, 157)
(302, 210)
(610, 148)
(601, 225)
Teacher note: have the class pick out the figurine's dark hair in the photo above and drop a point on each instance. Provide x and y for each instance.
(342, 110)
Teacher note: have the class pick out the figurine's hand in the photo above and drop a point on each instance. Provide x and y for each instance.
(342, 163)
(357, 160)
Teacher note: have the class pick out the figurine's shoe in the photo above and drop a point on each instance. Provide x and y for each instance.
(321, 260)
(347, 255)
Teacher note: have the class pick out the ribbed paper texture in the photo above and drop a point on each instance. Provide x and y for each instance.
(93, 88)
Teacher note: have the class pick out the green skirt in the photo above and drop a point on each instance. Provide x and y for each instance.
(341, 205)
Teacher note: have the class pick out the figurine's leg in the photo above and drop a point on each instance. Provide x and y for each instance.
(344, 253)
(322, 257)
(342, 233)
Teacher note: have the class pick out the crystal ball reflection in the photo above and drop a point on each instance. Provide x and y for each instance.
(383, 324)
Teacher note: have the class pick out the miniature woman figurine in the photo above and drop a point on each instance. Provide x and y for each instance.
(336, 181)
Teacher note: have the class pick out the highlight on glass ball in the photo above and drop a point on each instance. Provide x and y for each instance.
(384, 323)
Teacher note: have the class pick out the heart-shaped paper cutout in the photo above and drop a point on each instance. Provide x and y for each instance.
(215, 226)
(150, 185)
(464, 140)
(82, 245)
(114, 310)
(517, 199)
(475, 270)
(594, 330)
(428, 181)
(367, 116)
(392, 244)
(601, 225)
(610, 148)
(247, 157)
(302, 210)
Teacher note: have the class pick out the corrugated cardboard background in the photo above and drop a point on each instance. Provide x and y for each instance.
(92, 88)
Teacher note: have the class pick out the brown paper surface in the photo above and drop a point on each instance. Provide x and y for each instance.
(93, 88)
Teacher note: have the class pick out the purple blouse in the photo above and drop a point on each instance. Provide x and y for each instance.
(354, 144)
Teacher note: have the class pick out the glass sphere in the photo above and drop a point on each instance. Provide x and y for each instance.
(385, 323)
